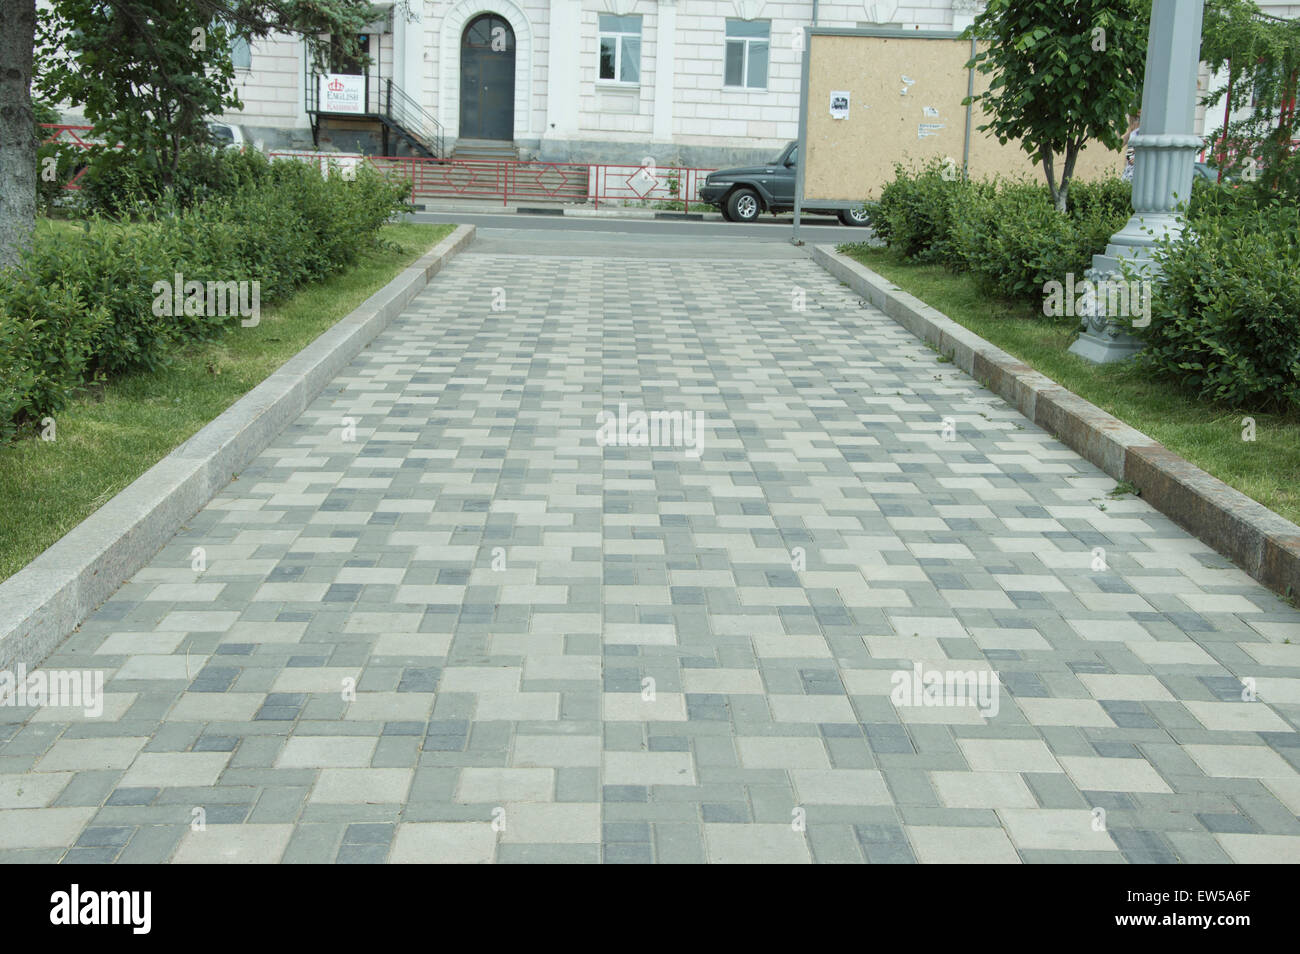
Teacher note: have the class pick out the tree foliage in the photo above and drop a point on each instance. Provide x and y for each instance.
(1063, 72)
(149, 73)
(1261, 55)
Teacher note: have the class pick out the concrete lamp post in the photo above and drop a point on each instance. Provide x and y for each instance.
(1164, 150)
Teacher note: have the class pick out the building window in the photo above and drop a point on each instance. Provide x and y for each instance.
(620, 49)
(351, 61)
(241, 54)
(747, 45)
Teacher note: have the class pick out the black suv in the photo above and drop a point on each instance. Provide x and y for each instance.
(741, 194)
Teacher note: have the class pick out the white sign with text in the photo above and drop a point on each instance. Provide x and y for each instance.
(342, 93)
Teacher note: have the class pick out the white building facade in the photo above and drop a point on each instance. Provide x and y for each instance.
(689, 82)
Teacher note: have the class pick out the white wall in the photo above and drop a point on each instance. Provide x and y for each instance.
(702, 112)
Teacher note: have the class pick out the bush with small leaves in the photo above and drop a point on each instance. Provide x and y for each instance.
(47, 332)
(82, 302)
(1225, 313)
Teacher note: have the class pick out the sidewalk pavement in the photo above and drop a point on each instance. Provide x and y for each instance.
(443, 619)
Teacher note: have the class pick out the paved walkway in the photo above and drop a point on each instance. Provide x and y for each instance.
(470, 632)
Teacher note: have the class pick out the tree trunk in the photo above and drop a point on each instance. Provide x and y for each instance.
(1067, 174)
(1050, 172)
(17, 129)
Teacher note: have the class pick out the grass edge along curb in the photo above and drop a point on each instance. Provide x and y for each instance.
(1263, 543)
(47, 599)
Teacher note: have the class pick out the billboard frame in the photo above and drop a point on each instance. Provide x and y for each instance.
(804, 69)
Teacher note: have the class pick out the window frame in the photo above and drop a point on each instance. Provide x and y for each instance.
(618, 36)
(248, 47)
(745, 43)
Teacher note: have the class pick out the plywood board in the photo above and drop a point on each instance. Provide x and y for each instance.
(852, 159)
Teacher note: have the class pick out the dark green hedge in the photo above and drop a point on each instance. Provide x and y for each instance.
(82, 305)
(1225, 307)
(1225, 315)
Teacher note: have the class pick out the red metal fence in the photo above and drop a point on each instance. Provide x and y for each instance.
(525, 179)
(75, 137)
(493, 179)
(1222, 149)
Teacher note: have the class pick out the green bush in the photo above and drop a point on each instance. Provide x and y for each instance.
(1111, 198)
(914, 214)
(1015, 241)
(17, 378)
(206, 173)
(1008, 235)
(1225, 313)
(115, 267)
(82, 302)
(116, 184)
(48, 333)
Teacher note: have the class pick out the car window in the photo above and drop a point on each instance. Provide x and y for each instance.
(222, 132)
(794, 156)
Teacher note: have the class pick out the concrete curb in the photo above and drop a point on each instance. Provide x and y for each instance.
(1262, 543)
(49, 598)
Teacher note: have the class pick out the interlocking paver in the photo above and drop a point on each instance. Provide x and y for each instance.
(444, 619)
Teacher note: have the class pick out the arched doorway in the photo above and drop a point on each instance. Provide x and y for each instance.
(487, 79)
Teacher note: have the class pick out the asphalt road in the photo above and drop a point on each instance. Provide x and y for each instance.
(772, 229)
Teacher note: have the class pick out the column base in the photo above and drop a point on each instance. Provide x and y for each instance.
(1103, 349)
(1103, 339)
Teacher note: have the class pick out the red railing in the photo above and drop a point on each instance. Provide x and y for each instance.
(1230, 149)
(493, 179)
(74, 133)
(524, 179)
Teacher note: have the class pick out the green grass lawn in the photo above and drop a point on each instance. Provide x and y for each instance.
(1267, 469)
(111, 436)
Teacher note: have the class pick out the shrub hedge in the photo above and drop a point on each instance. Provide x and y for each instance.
(1225, 309)
(1015, 241)
(81, 303)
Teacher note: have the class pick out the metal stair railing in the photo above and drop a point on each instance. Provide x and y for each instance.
(405, 113)
(391, 104)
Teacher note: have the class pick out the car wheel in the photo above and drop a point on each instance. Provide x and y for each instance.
(744, 205)
(726, 216)
(854, 216)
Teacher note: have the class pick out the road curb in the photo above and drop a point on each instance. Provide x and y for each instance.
(46, 600)
(1264, 544)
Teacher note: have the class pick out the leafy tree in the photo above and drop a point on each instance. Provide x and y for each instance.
(1064, 72)
(1262, 57)
(140, 72)
(147, 74)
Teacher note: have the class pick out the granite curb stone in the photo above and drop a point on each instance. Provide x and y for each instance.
(1264, 544)
(46, 600)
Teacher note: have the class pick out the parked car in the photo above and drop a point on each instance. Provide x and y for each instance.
(1203, 170)
(742, 194)
(231, 136)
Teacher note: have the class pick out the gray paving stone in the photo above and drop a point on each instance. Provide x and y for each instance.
(379, 572)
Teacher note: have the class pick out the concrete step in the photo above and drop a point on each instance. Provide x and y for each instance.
(471, 149)
(486, 178)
